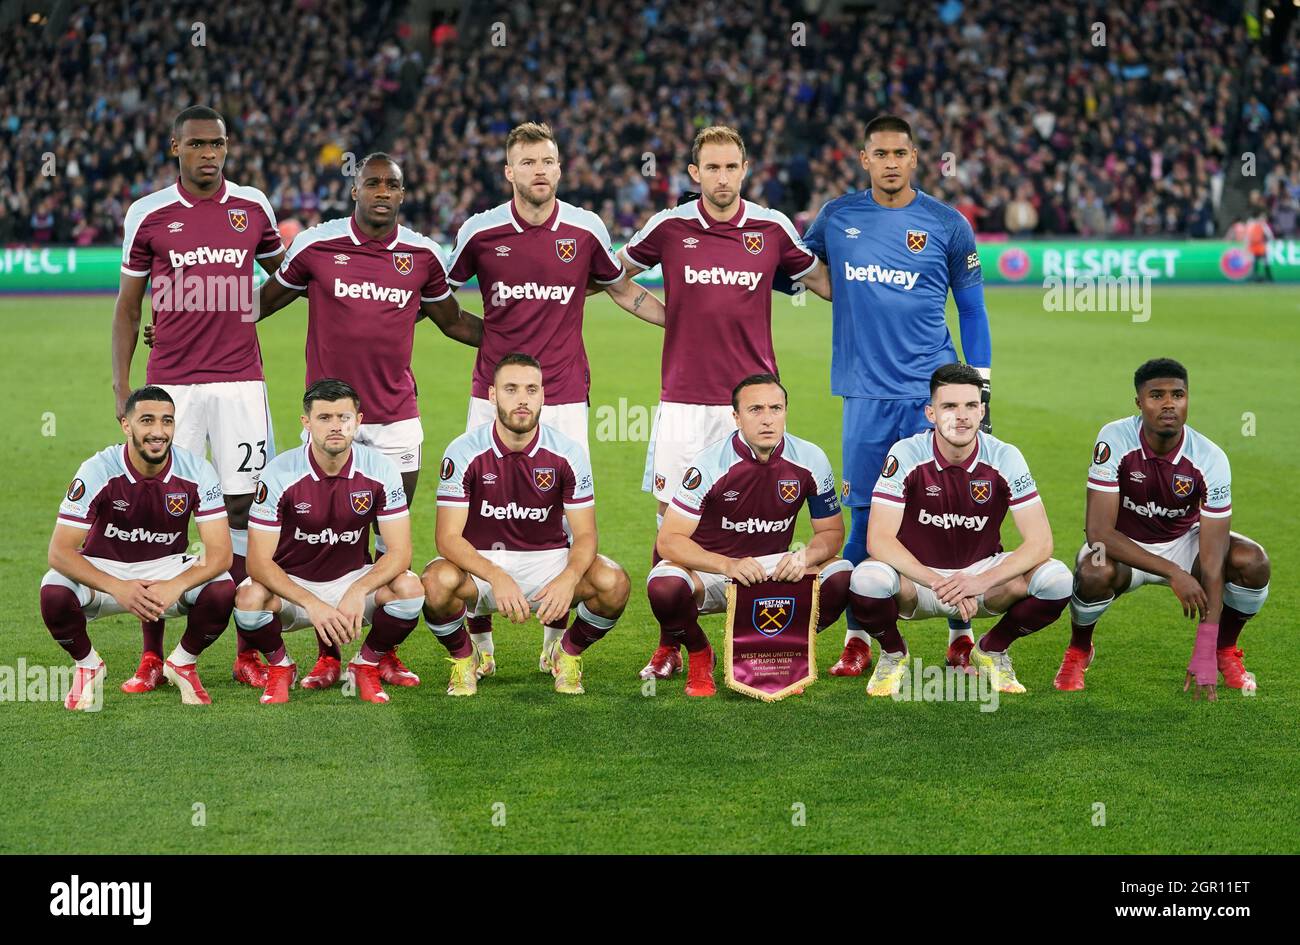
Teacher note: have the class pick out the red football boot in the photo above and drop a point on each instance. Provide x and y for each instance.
(186, 679)
(666, 662)
(249, 669)
(1069, 678)
(394, 672)
(855, 660)
(147, 676)
(324, 674)
(365, 676)
(1235, 673)
(279, 680)
(699, 674)
(87, 692)
(959, 654)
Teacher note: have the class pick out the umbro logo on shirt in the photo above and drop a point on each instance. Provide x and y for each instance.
(731, 496)
(302, 507)
(175, 226)
(120, 504)
(690, 242)
(503, 250)
(341, 259)
(852, 232)
(489, 478)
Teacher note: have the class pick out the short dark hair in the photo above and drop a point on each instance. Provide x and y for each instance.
(887, 123)
(516, 357)
(1158, 367)
(330, 389)
(955, 373)
(755, 380)
(195, 113)
(380, 156)
(148, 392)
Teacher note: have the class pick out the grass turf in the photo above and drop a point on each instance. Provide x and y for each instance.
(620, 770)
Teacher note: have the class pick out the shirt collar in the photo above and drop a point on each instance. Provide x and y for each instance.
(941, 464)
(318, 474)
(552, 222)
(745, 451)
(1149, 451)
(133, 476)
(190, 199)
(529, 449)
(388, 240)
(737, 219)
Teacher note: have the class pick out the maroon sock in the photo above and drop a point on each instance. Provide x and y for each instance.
(209, 616)
(1230, 623)
(65, 620)
(673, 602)
(879, 617)
(326, 648)
(581, 635)
(560, 623)
(481, 624)
(386, 633)
(1081, 637)
(152, 632)
(268, 640)
(1021, 619)
(458, 643)
(834, 598)
(665, 638)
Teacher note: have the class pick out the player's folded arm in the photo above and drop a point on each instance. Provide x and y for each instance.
(828, 538)
(1214, 540)
(65, 557)
(883, 544)
(218, 555)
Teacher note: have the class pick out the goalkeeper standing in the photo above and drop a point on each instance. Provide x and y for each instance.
(893, 253)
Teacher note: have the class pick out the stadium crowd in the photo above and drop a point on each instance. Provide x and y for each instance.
(1029, 121)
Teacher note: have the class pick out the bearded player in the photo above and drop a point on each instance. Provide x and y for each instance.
(720, 256)
(535, 257)
(732, 519)
(1159, 512)
(119, 547)
(893, 253)
(194, 244)
(935, 544)
(507, 487)
(308, 558)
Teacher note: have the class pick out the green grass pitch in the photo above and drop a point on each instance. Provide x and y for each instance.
(617, 770)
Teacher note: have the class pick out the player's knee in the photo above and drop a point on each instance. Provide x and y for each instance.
(613, 586)
(251, 596)
(406, 586)
(218, 596)
(1094, 580)
(57, 602)
(440, 580)
(1051, 580)
(874, 579)
(670, 591)
(1248, 564)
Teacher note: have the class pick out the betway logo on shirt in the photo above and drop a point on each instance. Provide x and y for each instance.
(328, 536)
(754, 525)
(1151, 510)
(716, 275)
(504, 292)
(140, 534)
(208, 256)
(952, 520)
(368, 290)
(513, 511)
(874, 273)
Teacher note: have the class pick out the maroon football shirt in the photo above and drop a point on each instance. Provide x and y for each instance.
(199, 254)
(718, 293)
(534, 282)
(363, 300)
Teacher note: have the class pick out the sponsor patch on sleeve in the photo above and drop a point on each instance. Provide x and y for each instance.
(972, 261)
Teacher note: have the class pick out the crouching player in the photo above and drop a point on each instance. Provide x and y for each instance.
(732, 518)
(1158, 512)
(307, 551)
(506, 488)
(119, 547)
(934, 539)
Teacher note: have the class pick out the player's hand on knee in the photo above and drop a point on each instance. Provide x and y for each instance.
(555, 599)
(352, 607)
(746, 571)
(329, 623)
(791, 567)
(958, 585)
(967, 608)
(137, 598)
(1190, 594)
(510, 599)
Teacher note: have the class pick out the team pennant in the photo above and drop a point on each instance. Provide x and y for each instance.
(771, 637)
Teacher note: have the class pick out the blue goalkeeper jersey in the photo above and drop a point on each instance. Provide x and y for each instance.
(891, 270)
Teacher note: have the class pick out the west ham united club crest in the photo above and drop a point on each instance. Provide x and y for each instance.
(788, 490)
(916, 240)
(753, 242)
(544, 477)
(403, 263)
(238, 220)
(981, 490)
(1183, 485)
(361, 502)
(773, 614)
(567, 250)
(176, 502)
(660, 482)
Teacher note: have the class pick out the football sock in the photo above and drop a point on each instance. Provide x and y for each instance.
(182, 657)
(65, 620)
(208, 616)
(672, 599)
(1021, 619)
(152, 632)
(587, 628)
(1230, 624)
(958, 629)
(1081, 637)
(90, 660)
(879, 617)
(834, 593)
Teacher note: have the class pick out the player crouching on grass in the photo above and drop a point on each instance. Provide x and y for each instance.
(935, 545)
(1159, 512)
(506, 488)
(119, 547)
(732, 519)
(307, 550)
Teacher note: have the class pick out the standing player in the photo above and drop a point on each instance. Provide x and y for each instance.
(507, 486)
(935, 542)
(194, 243)
(368, 280)
(119, 547)
(893, 253)
(1159, 512)
(720, 255)
(307, 554)
(732, 519)
(535, 257)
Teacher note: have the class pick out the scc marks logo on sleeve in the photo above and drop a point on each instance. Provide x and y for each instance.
(890, 467)
(773, 614)
(76, 489)
(238, 220)
(177, 503)
(448, 468)
(972, 261)
(692, 478)
(260, 493)
(1101, 453)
